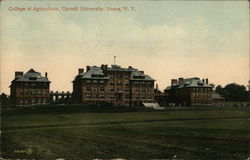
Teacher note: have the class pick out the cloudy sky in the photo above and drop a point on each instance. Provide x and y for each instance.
(166, 39)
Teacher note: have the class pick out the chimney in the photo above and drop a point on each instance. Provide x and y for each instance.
(18, 74)
(130, 67)
(88, 68)
(46, 74)
(102, 66)
(80, 71)
(142, 72)
(203, 80)
(206, 80)
(173, 81)
(181, 81)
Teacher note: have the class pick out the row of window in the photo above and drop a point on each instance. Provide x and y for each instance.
(33, 101)
(112, 96)
(34, 92)
(102, 89)
(119, 76)
(95, 81)
(119, 82)
(201, 94)
(202, 89)
(36, 84)
(143, 89)
(101, 96)
(142, 82)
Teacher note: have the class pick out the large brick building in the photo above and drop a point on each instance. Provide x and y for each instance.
(191, 91)
(30, 88)
(114, 85)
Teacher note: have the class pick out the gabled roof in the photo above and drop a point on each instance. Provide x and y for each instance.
(31, 76)
(190, 82)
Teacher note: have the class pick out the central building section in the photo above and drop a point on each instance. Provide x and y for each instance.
(116, 85)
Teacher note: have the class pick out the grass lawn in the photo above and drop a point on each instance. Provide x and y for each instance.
(188, 133)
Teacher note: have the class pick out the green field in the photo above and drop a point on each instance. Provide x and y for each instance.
(187, 133)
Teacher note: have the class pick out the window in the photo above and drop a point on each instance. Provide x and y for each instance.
(119, 82)
(95, 81)
(102, 81)
(33, 92)
(126, 96)
(112, 96)
(127, 89)
(88, 88)
(111, 89)
(137, 89)
(111, 82)
(88, 81)
(111, 76)
(143, 89)
(33, 84)
(26, 91)
(88, 95)
(102, 96)
(44, 92)
(102, 89)
(119, 89)
(137, 95)
(21, 91)
(32, 101)
(127, 82)
(143, 96)
(39, 92)
(149, 89)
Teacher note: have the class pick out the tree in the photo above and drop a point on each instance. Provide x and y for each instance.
(219, 89)
(157, 91)
(5, 101)
(233, 92)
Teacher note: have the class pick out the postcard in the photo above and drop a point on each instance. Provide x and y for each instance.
(124, 79)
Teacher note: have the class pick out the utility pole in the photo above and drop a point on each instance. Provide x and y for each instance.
(114, 59)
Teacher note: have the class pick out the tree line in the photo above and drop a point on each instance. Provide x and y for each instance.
(233, 92)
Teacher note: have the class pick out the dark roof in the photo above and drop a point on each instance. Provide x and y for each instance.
(190, 82)
(31, 76)
(95, 72)
(137, 75)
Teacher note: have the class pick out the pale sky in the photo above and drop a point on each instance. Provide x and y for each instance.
(166, 39)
